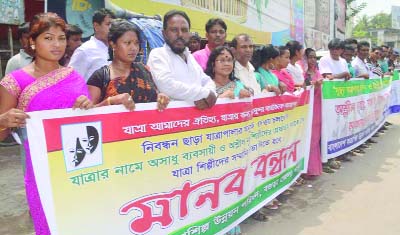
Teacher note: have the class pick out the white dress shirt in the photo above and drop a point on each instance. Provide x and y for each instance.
(329, 65)
(89, 57)
(18, 61)
(360, 67)
(177, 78)
(247, 76)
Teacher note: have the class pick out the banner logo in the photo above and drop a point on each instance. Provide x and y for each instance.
(82, 145)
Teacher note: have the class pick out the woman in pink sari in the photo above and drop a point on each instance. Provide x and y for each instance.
(281, 69)
(42, 85)
(312, 76)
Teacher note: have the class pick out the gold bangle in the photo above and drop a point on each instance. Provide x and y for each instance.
(109, 100)
(3, 129)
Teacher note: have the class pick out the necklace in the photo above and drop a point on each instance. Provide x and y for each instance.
(40, 71)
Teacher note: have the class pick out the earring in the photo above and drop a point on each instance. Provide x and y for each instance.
(33, 46)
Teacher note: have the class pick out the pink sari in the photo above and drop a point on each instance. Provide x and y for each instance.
(315, 160)
(56, 90)
(285, 77)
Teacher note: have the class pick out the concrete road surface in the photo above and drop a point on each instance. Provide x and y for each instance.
(363, 197)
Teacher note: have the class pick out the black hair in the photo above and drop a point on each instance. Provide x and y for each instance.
(236, 38)
(308, 51)
(336, 43)
(376, 48)
(293, 47)
(348, 47)
(23, 28)
(173, 13)
(214, 21)
(350, 41)
(211, 61)
(282, 50)
(195, 36)
(361, 44)
(385, 46)
(100, 14)
(263, 54)
(117, 29)
(72, 29)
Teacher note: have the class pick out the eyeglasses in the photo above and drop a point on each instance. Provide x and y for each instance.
(228, 61)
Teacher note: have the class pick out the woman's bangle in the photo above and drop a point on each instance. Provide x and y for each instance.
(3, 129)
(109, 100)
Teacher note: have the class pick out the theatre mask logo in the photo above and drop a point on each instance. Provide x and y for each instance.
(82, 145)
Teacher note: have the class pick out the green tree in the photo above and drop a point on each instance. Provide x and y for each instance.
(353, 11)
(378, 21)
(381, 21)
(361, 28)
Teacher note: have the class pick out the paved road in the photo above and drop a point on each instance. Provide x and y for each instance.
(361, 198)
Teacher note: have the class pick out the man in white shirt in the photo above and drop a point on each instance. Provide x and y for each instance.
(332, 66)
(242, 48)
(174, 69)
(25, 55)
(359, 64)
(93, 54)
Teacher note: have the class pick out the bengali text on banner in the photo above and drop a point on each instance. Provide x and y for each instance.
(181, 171)
(352, 111)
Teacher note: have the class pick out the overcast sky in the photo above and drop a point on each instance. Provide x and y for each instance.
(376, 6)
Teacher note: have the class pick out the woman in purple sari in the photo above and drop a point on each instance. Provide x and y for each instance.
(42, 85)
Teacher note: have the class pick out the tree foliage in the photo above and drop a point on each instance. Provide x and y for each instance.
(353, 11)
(378, 21)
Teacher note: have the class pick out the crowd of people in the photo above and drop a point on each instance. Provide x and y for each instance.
(55, 70)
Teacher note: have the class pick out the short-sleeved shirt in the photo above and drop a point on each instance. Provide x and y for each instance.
(327, 65)
(360, 67)
(18, 61)
(139, 83)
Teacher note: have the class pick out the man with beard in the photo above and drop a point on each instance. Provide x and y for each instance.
(216, 35)
(242, 48)
(174, 69)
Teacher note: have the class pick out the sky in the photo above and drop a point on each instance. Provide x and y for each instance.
(377, 6)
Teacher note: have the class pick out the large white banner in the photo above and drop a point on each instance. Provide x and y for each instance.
(352, 111)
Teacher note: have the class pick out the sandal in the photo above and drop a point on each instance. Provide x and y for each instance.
(271, 206)
(300, 181)
(327, 169)
(276, 202)
(259, 216)
(334, 164)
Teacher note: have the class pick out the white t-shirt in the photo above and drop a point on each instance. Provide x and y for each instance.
(297, 73)
(329, 65)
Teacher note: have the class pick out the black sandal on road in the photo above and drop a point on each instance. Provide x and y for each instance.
(259, 216)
